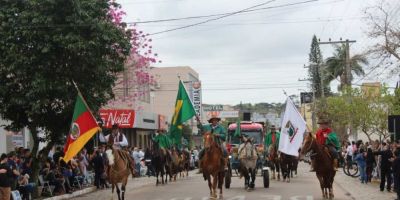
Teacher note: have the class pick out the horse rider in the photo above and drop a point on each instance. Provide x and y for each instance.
(220, 134)
(118, 141)
(163, 141)
(325, 136)
(271, 138)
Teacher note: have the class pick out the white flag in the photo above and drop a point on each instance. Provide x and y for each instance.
(292, 130)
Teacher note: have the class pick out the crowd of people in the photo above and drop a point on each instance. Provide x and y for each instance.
(16, 171)
(376, 160)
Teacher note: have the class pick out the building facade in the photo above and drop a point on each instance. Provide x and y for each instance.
(166, 89)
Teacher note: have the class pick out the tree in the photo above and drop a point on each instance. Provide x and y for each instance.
(384, 28)
(314, 71)
(367, 113)
(45, 46)
(336, 65)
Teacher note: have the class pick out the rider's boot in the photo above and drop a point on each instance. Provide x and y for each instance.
(226, 164)
(335, 164)
(312, 165)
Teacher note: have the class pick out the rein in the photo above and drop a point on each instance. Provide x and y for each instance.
(310, 146)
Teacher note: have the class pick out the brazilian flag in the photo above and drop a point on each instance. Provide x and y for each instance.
(184, 111)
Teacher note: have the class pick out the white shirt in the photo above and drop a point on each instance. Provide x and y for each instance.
(117, 143)
(349, 150)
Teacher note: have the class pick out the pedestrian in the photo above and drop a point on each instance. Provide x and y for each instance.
(136, 158)
(370, 163)
(6, 175)
(98, 165)
(396, 173)
(386, 154)
(361, 162)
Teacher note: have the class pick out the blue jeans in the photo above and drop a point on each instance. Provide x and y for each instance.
(137, 167)
(363, 174)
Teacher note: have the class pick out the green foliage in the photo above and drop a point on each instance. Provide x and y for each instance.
(367, 113)
(336, 65)
(45, 45)
(316, 60)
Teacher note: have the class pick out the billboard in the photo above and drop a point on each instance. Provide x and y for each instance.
(222, 114)
(196, 93)
(125, 118)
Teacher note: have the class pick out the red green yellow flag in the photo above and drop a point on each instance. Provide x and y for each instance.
(83, 127)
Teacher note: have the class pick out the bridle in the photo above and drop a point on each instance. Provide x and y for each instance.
(308, 149)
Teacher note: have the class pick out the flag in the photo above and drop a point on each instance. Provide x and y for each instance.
(83, 127)
(184, 111)
(238, 130)
(292, 130)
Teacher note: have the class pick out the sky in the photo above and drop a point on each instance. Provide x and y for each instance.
(254, 56)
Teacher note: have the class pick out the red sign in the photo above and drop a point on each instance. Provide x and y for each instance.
(124, 118)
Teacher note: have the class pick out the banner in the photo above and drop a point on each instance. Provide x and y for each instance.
(124, 118)
(197, 97)
(293, 129)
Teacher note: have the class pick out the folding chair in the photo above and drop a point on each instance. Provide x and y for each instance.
(46, 185)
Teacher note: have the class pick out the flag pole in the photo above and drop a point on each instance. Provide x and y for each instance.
(84, 101)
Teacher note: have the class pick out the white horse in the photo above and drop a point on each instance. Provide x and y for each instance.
(248, 162)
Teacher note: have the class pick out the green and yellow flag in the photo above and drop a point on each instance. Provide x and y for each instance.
(184, 111)
(83, 127)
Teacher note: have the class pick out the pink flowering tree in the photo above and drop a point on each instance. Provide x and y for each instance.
(134, 84)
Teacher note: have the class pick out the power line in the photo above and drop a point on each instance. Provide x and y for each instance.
(213, 15)
(213, 19)
(230, 14)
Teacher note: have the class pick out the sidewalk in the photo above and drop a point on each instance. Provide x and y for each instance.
(361, 191)
(101, 193)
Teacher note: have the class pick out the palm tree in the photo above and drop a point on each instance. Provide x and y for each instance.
(336, 65)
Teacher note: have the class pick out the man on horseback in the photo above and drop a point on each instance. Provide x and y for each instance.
(326, 136)
(117, 141)
(163, 141)
(219, 132)
(271, 138)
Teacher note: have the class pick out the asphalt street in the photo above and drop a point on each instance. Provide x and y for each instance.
(303, 187)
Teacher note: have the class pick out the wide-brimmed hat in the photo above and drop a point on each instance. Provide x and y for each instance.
(324, 120)
(214, 117)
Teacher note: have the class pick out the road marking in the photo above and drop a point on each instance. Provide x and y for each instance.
(237, 198)
(272, 197)
(302, 197)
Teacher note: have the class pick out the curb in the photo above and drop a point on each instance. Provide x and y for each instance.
(74, 194)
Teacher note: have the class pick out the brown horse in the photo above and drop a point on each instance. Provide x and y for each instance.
(274, 162)
(184, 164)
(174, 165)
(213, 168)
(287, 165)
(118, 170)
(323, 164)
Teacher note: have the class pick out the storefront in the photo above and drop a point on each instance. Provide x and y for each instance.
(138, 127)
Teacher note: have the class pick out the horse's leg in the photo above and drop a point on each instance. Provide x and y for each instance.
(210, 185)
(321, 181)
(253, 178)
(123, 187)
(214, 185)
(118, 191)
(220, 183)
(112, 191)
(278, 169)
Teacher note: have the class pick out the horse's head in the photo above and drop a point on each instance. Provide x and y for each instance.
(110, 157)
(208, 139)
(307, 143)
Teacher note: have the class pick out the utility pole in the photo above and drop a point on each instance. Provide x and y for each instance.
(347, 81)
(313, 114)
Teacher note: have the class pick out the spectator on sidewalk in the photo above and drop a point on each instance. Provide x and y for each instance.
(136, 158)
(98, 165)
(360, 158)
(370, 163)
(386, 154)
(5, 178)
